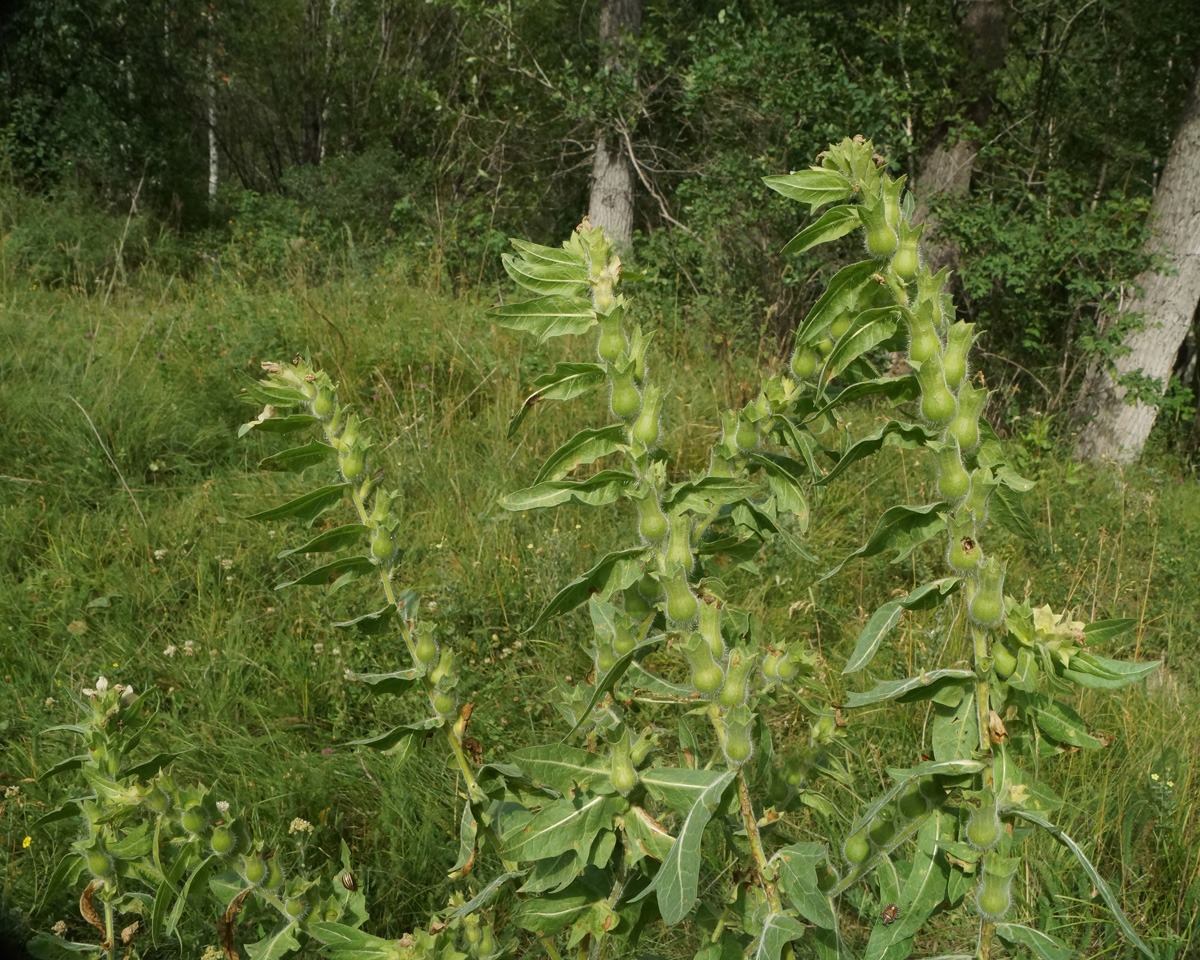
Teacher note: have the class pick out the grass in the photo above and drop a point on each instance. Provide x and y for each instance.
(124, 551)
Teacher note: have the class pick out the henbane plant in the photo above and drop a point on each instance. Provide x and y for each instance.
(668, 798)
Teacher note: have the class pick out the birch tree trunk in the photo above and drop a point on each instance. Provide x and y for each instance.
(1114, 430)
(611, 202)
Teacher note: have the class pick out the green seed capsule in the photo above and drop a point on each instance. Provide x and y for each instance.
(746, 437)
(983, 829)
(274, 875)
(804, 362)
(427, 648)
(193, 819)
(825, 345)
(223, 841)
(963, 554)
(923, 340)
(827, 877)
(958, 344)
(857, 848)
(953, 480)
(353, 465)
(98, 863)
(621, 772)
(907, 259)
(253, 869)
(625, 401)
(444, 703)
(882, 831)
(739, 744)
(652, 522)
(707, 675)
(912, 802)
(322, 406)
(985, 596)
(382, 545)
(681, 602)
(965, 426)
(296, 908)
(994, 897)
(1003, 662)
(737, 679)
(624, 641)
(838, 328)
(937, 402)
(612, 339)
(710, 627)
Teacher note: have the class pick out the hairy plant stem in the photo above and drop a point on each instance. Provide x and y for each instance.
(109, 933)
(984, 950)
(473, 790)
(979, 640)
(765, 873)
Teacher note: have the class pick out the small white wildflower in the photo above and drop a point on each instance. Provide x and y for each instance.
(229, 578)
(101, 684)
(270, 533)
(223, 806)
(128, 695)
(171, 650)
(432, 606)
(159, 554)
(347, 674)
(337, 651)
(189, 648)
(213, 653)
(50, 701)
(270, 609)
(212, 953)
(300, 825)
(226, 564)
(318, 648)
(59, 928)
(10, 792)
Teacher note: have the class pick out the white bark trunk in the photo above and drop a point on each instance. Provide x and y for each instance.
(212, 131)
(1113, 429)
(611, 202)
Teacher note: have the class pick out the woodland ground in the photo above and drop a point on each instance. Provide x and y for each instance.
(165, 585)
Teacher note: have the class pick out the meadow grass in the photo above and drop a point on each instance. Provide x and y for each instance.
(124, 551)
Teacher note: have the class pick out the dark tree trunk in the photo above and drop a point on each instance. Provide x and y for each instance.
(1114, 430)
(947, 166)
(611, 202)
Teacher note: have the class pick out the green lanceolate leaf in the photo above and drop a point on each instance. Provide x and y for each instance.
(369, 624)
(678, 787)
(565, 382)
(896, 389)
(784, 479)
(1042, 944)
(380, 683)
(677, 879)
(760, 520)
(955, 730)
(648, 837)
(925, 597)
(468, 830)
(1101, 885)
(150, 768)
(298, 458)
(894, 432)
(605, 684)
(834, 223)
(546, 317)
(331, 572)
(815, 186)
(45, 947)
(700, 496)
(330, 540)
(869, 329)
(398, 736)
(615, 572)
(778, 930)
(1006, 510)
(66, 874)
(892, 689)
(587, 446)
(342, 942)
(554, 279)
(920, 896)
(195, 882)
(535, 252)
(1060, 722)
(567, 824)
(797, 865)
(550, 913)
(288, 424)
(264, 392)
(484, 896)
(63, 766)
(901, 528)
(65, 811)
(1101, 673)
(605, 487)
(1104, 630)
(308, 507)
(276, 945)
(841, 294)
(563, 768)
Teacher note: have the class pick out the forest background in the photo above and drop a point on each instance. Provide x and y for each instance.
(186, 188)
